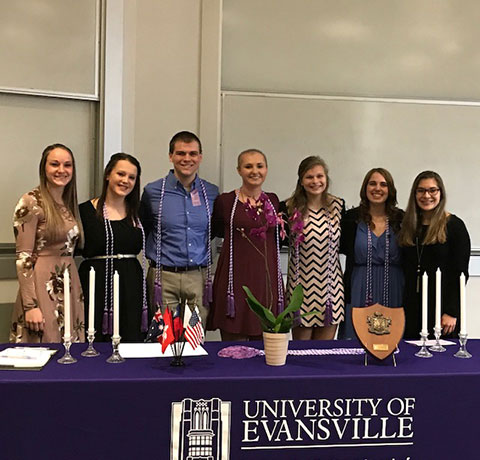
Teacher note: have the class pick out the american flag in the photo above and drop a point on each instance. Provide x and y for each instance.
(193, 329)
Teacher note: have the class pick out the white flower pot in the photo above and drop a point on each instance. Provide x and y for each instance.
(276, 348)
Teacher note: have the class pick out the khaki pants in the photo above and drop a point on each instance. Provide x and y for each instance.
(178, 287)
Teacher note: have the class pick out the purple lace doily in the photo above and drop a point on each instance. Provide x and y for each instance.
(239, 352)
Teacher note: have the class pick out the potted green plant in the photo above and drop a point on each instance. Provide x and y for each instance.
(276, 329)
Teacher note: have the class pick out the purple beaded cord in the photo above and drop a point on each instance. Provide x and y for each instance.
(207, 291)
(230, 289)
(157, 292)
(208, 288)
(328, 318)
(107, 320)
(230, 294)
(386, 268)
(144, 326)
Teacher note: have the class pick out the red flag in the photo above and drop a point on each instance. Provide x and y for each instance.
(167, 337)
(177, 323)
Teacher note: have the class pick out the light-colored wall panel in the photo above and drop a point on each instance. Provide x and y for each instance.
(49, 45)
(27, 125)
(394, 48)
(354, 136)
(167, 71)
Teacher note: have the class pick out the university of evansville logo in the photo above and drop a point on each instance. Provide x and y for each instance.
(200, 430)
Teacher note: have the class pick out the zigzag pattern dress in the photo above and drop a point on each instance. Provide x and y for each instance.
(315, 263)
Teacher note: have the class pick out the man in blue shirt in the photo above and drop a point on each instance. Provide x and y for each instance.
(176, 212)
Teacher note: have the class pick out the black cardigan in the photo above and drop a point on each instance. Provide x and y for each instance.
(452, 257)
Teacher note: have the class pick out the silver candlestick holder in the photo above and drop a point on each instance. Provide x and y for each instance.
(115, 358)
(90, 352)
(67, 358)
(423, 353)
(437, 347)
(462, 351)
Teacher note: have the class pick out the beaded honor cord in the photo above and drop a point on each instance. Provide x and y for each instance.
(331, 262)
(207, 291)
(386, 268)
(107, 321)
(230, 289)
(144, 326)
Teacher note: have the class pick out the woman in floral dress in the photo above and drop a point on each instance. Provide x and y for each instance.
(46, 228)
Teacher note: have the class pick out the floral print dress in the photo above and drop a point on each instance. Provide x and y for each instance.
(40, 267)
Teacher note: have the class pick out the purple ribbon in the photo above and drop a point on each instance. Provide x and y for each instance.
(230, 305)
(144, 320)
(157, 295)
(105, 322)
(110, 322)
(328, 313)
(207, 293)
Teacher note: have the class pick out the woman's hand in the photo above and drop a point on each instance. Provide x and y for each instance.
(448, 324)
(34, 319)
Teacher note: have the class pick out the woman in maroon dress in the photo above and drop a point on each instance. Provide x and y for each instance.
(247, 220)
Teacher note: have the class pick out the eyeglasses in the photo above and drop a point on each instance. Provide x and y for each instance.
(432, 191)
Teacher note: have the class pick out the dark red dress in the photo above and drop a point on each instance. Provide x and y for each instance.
(249, 268)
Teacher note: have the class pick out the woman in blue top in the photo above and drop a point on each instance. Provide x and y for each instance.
(373, 273)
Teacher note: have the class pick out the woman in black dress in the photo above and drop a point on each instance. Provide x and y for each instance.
(432, 238)
(113, 239)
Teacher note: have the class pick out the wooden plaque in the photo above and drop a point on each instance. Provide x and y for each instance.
(379, 328)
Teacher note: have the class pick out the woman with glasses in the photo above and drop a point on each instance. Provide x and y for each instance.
(432, 238)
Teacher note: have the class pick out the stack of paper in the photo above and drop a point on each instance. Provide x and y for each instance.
(25, 358)
(154, 350)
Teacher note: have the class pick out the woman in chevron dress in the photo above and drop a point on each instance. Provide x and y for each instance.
(314, 217)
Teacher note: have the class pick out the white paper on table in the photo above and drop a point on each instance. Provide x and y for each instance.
(24, 357)
(154, 350)
(430, 342)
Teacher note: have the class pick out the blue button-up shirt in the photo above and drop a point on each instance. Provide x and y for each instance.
(184, 226)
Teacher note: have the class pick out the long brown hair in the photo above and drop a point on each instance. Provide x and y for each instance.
(298, 200)
(132, 200)
(391, 210)
(412, 222)
(53, 218)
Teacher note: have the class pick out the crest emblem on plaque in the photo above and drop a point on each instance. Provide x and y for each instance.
(379, 328)
(379, 324)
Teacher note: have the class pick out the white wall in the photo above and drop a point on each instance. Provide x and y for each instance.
(163, 42)
(171, 81)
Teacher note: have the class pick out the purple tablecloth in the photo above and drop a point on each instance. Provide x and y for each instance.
(315, 407)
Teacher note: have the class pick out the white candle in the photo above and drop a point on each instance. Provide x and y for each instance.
(463, 306)
(66, 304)
(91, 302)
(425, 303)
(438, 299)
(116, 291)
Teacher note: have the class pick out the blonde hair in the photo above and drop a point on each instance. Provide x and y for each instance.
(412, 221)
(53, 218)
